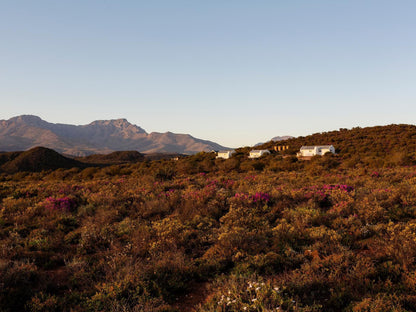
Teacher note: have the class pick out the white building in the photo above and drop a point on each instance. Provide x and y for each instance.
(316, 150)
(225, 154)
(258, 153)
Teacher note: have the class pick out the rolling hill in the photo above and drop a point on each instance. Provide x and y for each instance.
(35, 160)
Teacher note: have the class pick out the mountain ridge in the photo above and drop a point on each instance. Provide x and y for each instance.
(100, 136)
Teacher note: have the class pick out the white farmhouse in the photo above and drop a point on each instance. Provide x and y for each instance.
(258, 153)
(225, 154)
(316, 150)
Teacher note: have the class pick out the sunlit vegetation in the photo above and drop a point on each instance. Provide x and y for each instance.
(336, 233)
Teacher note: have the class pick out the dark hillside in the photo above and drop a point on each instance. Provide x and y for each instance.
(38, 159)
(119, 157)
(8, 156)
(159, 156)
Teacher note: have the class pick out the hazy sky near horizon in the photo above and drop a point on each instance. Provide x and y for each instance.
(236, 72)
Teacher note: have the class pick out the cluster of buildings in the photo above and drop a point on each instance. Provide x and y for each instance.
(315, 150)
(253, 154)
(305, 151)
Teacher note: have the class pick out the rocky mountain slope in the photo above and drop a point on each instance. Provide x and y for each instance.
(101, 136)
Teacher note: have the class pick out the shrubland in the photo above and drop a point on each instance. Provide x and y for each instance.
(335, 233)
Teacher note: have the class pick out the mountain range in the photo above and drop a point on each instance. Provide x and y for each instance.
(99, 137)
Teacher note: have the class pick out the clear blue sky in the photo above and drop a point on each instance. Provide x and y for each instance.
(236, 72)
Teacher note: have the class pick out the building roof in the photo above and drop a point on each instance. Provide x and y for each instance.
(259, 151)
(312, 147)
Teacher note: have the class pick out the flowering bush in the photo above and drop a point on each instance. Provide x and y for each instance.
(66, 204)
(257, 198)
(252, 293)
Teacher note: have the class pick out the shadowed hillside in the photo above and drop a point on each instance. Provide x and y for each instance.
(35, 160)
(8, 156)
(119, 157)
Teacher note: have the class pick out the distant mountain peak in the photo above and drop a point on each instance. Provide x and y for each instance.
(282, 138)
(120, 123)
(28, 119)
(277, 139)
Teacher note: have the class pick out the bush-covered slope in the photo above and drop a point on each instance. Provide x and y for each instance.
(369, 141)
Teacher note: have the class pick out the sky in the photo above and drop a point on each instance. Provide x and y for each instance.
(236, 72)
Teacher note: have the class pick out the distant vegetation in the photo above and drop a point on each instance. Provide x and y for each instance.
(113, 158)
(336, 233)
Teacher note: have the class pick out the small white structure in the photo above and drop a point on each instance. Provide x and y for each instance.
(258, 153)
(225, 154)
(316, 150)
